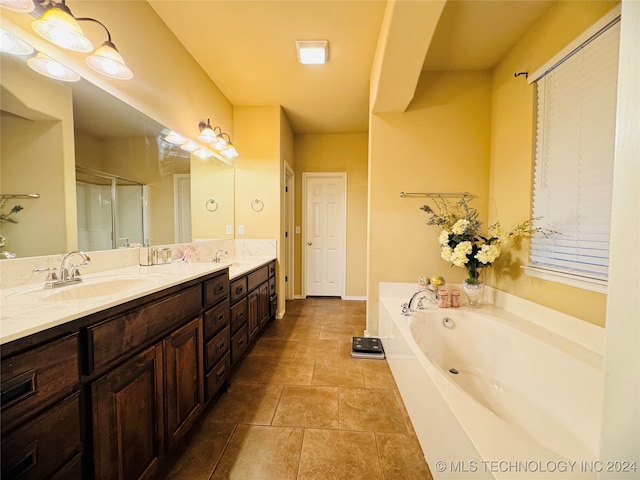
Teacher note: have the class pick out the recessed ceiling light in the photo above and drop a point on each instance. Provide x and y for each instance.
(312, 52)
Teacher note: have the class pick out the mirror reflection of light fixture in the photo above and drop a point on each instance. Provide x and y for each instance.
(50, 68)
(175, 138)
(203, 153)
(59, 26)
(22, 6)
(189, 146)
(9, 43)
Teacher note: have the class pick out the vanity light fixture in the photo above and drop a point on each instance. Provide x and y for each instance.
(175, 138)
(106, 59)
(203, 153)
(59, 26)
(189, 146)
(207, 133)
(312, 52)
(22, 6)
(50, 68)
(9, 43)
(228, 150)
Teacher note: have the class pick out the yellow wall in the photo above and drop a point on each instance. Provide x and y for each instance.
(512, 147)
(337, 153)
(211, 179)
(440, 144)
(37, 156)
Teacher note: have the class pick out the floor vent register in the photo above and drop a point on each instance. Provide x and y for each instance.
(367, 347)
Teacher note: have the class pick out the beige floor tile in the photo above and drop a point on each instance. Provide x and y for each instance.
(247, 403)
(339, 455)
(274, 347)
(309, 407)
(289, 371)
(339, 332)
(249, 370)
(377, 374)
(371, 409)
(338, 373)
(344, 349)
(401, 457)
(305, 330)
(265, 453)
(317, 349)
(202, 453)
(276, 329)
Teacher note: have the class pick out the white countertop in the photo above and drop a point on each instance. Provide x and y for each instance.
(31, 309)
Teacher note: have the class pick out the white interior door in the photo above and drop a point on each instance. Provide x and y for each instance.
(325, 233)
(289, 218)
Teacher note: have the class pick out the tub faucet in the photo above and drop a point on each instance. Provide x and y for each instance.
(429, 293)
(216, 257)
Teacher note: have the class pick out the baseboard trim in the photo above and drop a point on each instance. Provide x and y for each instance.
(354, 298)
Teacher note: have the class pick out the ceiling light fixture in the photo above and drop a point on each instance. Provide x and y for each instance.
(312, 52)
(50, 68)
(22, 6)
(9, 43)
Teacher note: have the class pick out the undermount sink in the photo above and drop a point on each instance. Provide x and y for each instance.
(81, 291)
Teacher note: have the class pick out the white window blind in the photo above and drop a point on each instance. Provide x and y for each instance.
(573, 174)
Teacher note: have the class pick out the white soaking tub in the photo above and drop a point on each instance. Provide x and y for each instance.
(493, 395)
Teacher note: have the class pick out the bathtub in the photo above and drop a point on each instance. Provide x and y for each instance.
(494, 395)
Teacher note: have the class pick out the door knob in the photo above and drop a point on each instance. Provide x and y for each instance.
(309, 243)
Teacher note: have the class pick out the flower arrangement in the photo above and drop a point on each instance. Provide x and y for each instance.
(461, 242)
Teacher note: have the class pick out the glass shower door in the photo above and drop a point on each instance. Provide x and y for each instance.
(111, 211)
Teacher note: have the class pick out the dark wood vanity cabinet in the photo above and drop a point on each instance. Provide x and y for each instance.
(251, 309)
(110, 395)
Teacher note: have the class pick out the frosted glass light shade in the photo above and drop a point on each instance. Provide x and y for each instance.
(50, 68)
(207, 135)
(107, 61)
(203, 153)
(189, 146)
(59, 27)
(22, 6)
(9, 43)
(175, 138)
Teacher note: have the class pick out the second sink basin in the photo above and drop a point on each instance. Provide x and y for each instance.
(102, 288)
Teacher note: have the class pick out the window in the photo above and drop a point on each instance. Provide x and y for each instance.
(573, 174)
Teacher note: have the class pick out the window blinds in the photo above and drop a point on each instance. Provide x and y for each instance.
(573, 174)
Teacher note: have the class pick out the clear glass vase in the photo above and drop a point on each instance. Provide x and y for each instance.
(474, 292)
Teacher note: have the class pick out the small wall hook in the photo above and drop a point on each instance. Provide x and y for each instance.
(526, 74)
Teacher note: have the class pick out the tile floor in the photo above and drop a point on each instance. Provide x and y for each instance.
(299, 407)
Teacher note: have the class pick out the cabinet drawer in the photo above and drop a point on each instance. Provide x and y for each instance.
(37, 378)
(238, 289)
(111, 339)
(239, 343)
(256, 278)
(272, 269)
(216, 289)
(216, 348)
(45, 444)
(272, 286)
(217, 376)
(238, 315)
(215, 319)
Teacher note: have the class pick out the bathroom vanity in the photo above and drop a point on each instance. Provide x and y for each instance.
(111, 393)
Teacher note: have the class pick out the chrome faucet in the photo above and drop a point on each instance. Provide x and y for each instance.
(65, 273)
(216, 258)
(429, 292)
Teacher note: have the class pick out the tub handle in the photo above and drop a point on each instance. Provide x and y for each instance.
(448, 322)
(405, 309)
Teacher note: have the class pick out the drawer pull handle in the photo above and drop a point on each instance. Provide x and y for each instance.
(240, 342)
(220, 317)
(25, 464)
(18, 388)
(239, 289)
(220, 375)
(240, 315)
(219, 288)
(220, 347)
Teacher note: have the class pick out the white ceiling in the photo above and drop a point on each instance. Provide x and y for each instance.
(247, 47)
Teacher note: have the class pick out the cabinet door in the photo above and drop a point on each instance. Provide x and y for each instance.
(128, 415)
(184, 379)
(264, 303)
(253, 308)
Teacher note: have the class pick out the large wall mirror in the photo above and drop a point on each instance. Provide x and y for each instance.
(104, 176)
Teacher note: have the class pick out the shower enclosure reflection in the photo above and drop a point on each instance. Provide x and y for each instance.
(112, 212)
